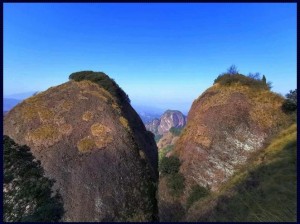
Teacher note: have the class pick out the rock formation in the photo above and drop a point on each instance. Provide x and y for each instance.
(227, 125)
(171, 118)
(94, 145)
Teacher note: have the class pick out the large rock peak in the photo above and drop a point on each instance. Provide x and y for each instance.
(94, 145)
(226, 125)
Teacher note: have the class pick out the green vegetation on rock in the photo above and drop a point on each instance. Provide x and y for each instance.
(162, 152)
(27, 194)
(290, 103)
(176, 131)
(175, 183)
(169, 165)
(233, 76)
(197, 193)
(169, 168)
(103, 81)
(229, 79)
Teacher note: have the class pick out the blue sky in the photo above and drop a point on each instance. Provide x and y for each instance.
(162, 55)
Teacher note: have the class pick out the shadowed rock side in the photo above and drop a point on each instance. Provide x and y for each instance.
(98, 151)
(226, 125)
(143, 138)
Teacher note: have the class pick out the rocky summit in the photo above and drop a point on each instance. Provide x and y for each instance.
(94, 145)
(226, 125)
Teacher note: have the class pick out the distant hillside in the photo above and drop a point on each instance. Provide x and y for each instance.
(147, 113)
(20, 96)
(9, 103)
(170, 119)
(167, 129)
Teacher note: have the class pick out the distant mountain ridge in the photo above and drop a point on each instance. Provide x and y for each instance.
(147, 113)
(20, 96)
(170, 118)
(9, 103)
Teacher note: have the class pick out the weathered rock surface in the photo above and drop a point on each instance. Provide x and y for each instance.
(99, 152)
(226, 125)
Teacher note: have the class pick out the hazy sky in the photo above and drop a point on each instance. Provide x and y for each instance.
(162, 55)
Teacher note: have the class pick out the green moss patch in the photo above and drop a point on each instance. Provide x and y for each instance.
(87, 116)
(99, 129)
(124, 122)
(44, 135)
(86, 144)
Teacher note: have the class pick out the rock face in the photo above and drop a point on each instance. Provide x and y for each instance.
(226, 125)
(153, 126)
(171, 118)
(98, 151)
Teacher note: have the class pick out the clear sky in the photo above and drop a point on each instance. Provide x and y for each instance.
(162, 55)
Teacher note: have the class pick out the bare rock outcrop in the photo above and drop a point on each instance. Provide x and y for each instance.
(226, 125)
